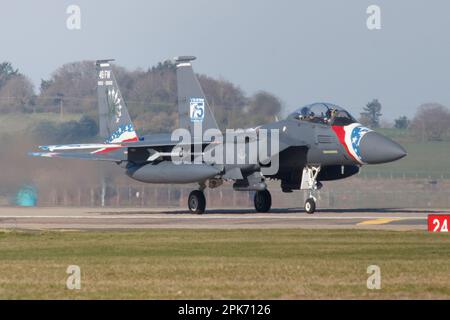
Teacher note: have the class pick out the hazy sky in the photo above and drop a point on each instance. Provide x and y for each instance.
(302, 51)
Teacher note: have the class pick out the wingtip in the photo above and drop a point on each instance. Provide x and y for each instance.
(34, 154)
(42, 154)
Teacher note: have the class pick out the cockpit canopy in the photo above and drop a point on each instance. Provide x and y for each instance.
(324, 113)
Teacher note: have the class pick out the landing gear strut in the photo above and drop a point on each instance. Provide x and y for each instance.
(309, 182)
(197, 202)
(262, 201)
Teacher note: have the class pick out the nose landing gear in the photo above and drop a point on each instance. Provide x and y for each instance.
(309, 182)
(310, 205)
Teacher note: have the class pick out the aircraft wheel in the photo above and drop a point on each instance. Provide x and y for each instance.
(310, 206)
(197, 202)
(262, 201)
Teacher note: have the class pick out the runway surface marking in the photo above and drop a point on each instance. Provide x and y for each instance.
(187, 216)
(92, 218)
(381, 221)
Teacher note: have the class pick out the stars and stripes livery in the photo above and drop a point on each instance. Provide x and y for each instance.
(116, 126)
(350, 137)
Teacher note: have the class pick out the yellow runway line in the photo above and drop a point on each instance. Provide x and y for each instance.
(379, 221)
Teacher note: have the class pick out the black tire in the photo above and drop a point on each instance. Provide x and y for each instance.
(310, 206)
(197, 202)
(262, 201)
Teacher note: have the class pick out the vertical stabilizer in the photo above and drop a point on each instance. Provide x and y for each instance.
(114, 120)
(193, 109)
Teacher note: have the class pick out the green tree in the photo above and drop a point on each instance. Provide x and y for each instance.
(66, 132)
(17, 94)
(371, 114)
(164, 66)
(7, 72)
(45, 84)
(431, 122)
(402, 122)
(265, 104)
(72, 87)
(263, 107)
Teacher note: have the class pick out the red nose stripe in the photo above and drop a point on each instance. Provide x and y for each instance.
(340, 133)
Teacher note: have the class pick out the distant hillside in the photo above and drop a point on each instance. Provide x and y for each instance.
(12, 123)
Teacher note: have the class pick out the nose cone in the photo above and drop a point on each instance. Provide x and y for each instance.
(376, 148)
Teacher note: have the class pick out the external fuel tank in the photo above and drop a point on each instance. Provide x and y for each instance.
(168, 172)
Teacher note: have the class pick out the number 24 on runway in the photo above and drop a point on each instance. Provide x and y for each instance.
(438, 223)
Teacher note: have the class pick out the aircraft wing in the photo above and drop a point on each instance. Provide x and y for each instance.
(114, 152)
(104, 147)
(78, 155)
(71, 147)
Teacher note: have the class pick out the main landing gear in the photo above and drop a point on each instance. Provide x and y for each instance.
(262, 201)
(197, 202)
(310, 183)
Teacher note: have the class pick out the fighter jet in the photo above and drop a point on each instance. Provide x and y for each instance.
(316, 143)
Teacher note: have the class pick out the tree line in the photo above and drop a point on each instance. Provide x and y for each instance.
(151, 98)
(430, 123)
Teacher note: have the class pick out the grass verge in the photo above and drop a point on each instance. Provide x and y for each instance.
(221, 264)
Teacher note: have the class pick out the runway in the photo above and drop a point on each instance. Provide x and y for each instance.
(138, 218)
